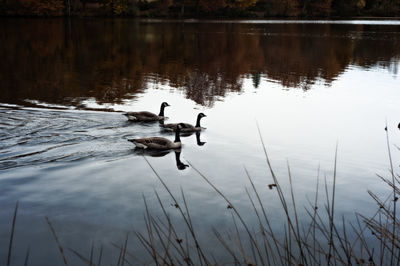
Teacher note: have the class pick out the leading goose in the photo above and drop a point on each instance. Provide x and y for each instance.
(145, 116)
(159, 143)
(186, 126)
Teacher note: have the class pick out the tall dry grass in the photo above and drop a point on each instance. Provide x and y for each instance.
(325, 239)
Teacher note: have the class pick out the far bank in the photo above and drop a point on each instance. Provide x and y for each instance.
(211, 9)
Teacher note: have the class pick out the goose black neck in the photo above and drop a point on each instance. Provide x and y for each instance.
(177, 135)
(198, 121)
(161, 110)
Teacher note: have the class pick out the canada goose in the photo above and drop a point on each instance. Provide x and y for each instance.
(145, 116)
(159, 143)
(187, 127)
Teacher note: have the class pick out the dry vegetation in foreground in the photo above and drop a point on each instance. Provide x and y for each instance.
(322, 241)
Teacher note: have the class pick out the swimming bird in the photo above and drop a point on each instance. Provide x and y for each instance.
(159, 143)
(187, 127)
(145, 116)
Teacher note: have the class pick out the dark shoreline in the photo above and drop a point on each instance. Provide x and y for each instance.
(203, 9)
(195, 19)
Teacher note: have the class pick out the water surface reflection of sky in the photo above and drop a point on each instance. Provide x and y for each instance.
(308, 86)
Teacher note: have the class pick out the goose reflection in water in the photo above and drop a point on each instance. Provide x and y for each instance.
(161, 153)
(154, 153)
(199, 142)
(179, 164)
(190, 133)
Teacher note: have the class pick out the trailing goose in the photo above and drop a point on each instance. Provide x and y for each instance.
(159, 143)
(187, 127)
(145, 116)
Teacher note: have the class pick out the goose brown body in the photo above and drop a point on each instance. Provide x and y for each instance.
(186, 127)
(145, 116)
(159, 143)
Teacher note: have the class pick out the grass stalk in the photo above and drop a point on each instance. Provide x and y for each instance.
(60, 248)
(191, 230)
(27, 256)
(12, 234)
(233, 208)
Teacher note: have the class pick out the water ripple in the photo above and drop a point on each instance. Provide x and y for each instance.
(39, 136)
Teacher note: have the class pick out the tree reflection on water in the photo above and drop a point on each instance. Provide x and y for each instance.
(65, 61)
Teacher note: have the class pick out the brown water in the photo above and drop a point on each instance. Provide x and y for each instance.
(308, 85)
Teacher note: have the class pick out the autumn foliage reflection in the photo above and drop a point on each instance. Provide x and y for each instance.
(64, 61)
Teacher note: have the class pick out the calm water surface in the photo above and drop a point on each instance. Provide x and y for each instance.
(63, 141)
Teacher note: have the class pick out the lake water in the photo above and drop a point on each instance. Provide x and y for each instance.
(63, 141)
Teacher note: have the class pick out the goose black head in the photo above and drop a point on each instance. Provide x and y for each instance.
(163, 105)
(199, 117)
